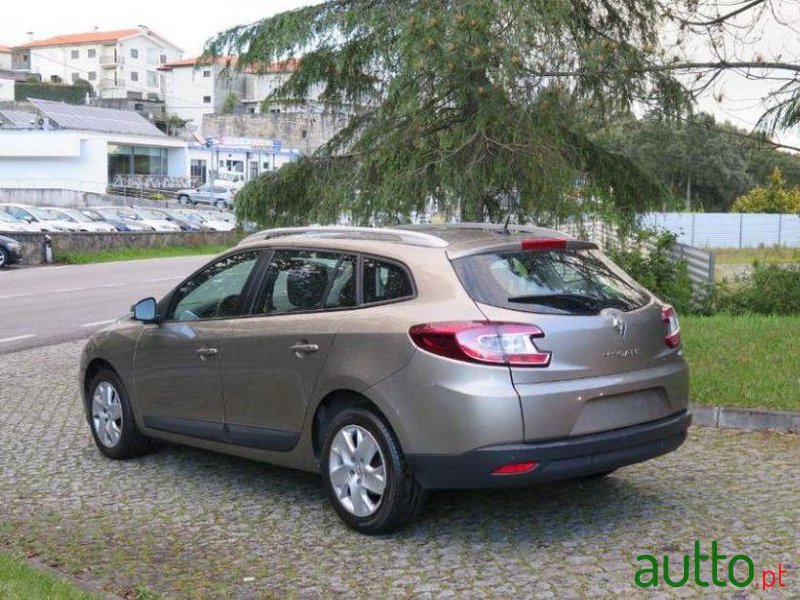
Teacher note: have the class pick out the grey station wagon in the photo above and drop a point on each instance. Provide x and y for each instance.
(397, 361)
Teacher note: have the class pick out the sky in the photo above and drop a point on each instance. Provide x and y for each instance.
(189, 24)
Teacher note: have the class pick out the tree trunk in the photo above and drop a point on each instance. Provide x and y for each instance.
(689, 192)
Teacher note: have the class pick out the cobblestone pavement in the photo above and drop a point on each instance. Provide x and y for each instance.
(191, 524)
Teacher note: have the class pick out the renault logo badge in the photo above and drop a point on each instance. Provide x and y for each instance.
(619, 326)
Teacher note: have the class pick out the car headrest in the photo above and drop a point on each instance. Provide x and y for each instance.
(306, 286)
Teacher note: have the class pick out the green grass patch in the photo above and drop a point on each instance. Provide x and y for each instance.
(748, 361)
(117, 254)
(746, 256)
(20, 581)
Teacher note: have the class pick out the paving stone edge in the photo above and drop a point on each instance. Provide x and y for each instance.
(746, 419)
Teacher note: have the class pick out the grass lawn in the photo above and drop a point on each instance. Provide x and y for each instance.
(19, 581)
(82, 258)
(744, 361)
(746, 256)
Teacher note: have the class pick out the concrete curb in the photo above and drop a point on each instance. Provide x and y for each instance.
(746, 419)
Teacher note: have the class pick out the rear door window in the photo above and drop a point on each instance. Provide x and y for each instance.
(303, 280)
(550, 281)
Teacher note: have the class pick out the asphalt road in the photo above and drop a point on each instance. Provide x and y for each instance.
(47, 305)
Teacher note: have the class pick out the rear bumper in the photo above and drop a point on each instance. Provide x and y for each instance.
(564, 458)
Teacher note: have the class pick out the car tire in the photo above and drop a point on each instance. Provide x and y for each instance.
(361, 507)
(5, 258)
(183, 199)
(113, 426)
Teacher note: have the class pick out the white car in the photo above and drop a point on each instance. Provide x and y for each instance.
(9, 223)
(38, 217)
(231, 181)
(81, 221)
(134, 215)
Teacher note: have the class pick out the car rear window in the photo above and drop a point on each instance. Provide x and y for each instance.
(549, 281)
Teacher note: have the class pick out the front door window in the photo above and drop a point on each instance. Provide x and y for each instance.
(216, 292)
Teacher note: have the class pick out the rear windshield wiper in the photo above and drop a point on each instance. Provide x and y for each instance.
(558, 300)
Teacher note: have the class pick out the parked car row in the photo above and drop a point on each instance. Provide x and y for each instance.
(23, 218)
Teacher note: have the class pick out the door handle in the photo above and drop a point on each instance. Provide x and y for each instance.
(204, 352)
(301, 349)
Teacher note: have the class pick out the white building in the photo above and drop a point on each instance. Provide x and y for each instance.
(192, 89)
(6, 89)
(263, 82)
(5, 58)
(118, 64)
(238, 159)
(82, 149)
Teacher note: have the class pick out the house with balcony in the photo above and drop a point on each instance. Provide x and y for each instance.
(118, 64)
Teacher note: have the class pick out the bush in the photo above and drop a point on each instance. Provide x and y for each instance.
(71, 94)
(772, 289)
(776, 198)
(157, 196)
(647, 259)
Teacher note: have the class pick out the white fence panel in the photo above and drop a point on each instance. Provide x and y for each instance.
(728, 230)
(790, 230)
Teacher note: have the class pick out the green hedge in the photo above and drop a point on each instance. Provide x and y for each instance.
(71, 94)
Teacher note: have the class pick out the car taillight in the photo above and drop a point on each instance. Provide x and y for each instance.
(672, 330)
(486, 342)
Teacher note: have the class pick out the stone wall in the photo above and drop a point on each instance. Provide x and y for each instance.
(51, 197)
(286, 127)
(33, 253)
(74, 199)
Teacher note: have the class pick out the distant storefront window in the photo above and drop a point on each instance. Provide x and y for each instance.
(198, 171)
(136, 160)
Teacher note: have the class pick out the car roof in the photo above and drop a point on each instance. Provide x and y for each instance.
(454, 238)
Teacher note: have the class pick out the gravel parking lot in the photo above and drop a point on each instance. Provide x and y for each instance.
(190, 524)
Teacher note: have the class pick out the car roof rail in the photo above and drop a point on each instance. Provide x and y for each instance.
(493, 227)
(400, 236)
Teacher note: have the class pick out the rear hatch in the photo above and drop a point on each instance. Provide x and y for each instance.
(609, 365)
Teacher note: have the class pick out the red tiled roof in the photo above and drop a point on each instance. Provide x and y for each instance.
(281, 66)
(191, 62)
(93, 37)
(4, 48)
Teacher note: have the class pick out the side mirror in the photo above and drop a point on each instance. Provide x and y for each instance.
(145, 310)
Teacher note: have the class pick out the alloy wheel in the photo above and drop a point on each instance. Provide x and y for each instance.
(357, 470)
(107, 414)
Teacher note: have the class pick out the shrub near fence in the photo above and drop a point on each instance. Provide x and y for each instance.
(700, 264)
